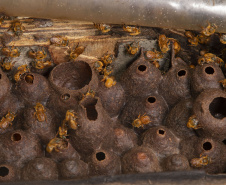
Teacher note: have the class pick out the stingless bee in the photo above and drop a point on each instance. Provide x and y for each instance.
(104, 28)
(193, 123)
(200, 162)
(40, 112)
(141, 121)
(7, 120)
(57, 144)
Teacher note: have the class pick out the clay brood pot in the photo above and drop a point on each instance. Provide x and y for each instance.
(176, 162)
(178, 117)
(95, 127)
(210, 110)
(124, 139)
(176, 82)
(205, 77)
(140, 160)
(40, 169)
(8, 173)
(141, 77)
(152, 105)
(112, 98)
(33, 88)
(215, 150)
(18, 147)
(73, 169)
(104, 162)
(162, 141)
(74, 78)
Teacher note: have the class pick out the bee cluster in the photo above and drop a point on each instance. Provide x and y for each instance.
(78, 121)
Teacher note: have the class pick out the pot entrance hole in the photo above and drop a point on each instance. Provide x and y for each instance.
(4, 171)
(217, 108)
(142, 68)
(29, 79)
(207, 146)
(65, 96)
(90, 106)
(181, 73)
(100, 156)
(16, 137)
(209, 70)
(161, 132)
(151, 99)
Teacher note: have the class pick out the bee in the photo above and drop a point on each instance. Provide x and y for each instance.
(98, 65)
(70, 118)
(223, 82)
(176, 45)
(90, 93)
(39, 55)
(200, 162)
(40, 112)
(6, 64)
(59, 41)
(10, 52)
(17, 28)
(57, 144)
(21, 70)
(41, 64)
(107, 59)
(223, 39)
(163, 42)
(192, 39)
(209, 30)
(193, 123)
(141, 121)
(7, 120)
(153, 55)
(109, 81)
(210, 58)
(107, 70)
(156, 64)
(76, 52)
(104, 28)
(133, 48)
(202, 39)
(133, 30)
(63, 130)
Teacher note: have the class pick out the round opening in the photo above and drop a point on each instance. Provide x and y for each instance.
(71, 75)
(4, 171)
(0, 76)
(65, 96)
(142, 68)
(16, 137)
(209, 70)
(207, 146)
(161, 132)
(151, 99)
(217, 107)
(181, 73)
(29, 79)
(100, 156)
